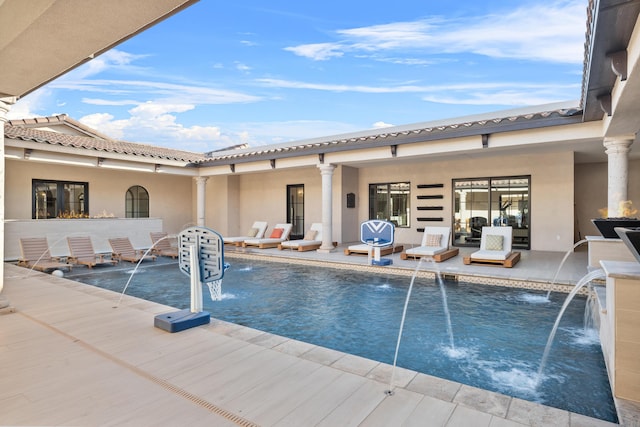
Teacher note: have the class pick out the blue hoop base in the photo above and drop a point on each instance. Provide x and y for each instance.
(180, 320)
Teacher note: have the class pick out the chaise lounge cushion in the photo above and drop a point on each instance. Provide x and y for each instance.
(280, 230)
(276, 233)
(494, 237)
(260, 226)
(435, 240)
(311, 241)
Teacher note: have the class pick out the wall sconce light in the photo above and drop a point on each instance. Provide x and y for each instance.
(351, 200)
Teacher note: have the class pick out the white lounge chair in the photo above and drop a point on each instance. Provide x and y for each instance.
(434, 245)
(495, 248)
(279, 234)
(256, 231)
(312, 240)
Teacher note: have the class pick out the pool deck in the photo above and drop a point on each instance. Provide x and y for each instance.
(70, 358)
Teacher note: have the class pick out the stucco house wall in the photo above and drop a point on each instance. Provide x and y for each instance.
(349, 217)
(551, 198)
(170, 196)
(234, 203)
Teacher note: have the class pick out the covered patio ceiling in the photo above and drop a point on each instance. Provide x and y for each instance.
(42, 39)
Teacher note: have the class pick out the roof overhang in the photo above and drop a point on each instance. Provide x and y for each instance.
(610, 26)
(402, 135)
(42, 39)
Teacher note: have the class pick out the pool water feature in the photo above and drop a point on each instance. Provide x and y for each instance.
(500, 333)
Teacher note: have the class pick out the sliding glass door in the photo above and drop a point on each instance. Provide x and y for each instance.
(499, 201)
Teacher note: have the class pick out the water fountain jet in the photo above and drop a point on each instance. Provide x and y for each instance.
(443, 292)
(597, 274)
(555, 277)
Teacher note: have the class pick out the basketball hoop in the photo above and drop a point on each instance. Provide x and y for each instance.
(215, 290)
(215, 287)
(201, 257)
(376, 234)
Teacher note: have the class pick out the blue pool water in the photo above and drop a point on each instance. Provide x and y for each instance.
(499, 333)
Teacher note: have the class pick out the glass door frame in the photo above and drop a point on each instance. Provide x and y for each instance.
(295, 210)
(492, 201)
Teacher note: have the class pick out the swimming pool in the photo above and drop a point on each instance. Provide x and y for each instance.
(499, 333)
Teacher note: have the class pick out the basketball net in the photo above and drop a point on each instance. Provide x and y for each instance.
(215, 289)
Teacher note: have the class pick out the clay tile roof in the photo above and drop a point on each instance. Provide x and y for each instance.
(516, 119)
(22, 132)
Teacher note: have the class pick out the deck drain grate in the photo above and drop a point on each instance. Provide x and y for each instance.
(159, 381)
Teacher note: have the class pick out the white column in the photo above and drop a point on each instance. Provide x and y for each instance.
(201, 187)
(4, 109)
(327, 208)
(617, 150)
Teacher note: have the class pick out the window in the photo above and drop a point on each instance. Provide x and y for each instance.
(390, 202)
(59, 199)
(137, 202)
(500, 201)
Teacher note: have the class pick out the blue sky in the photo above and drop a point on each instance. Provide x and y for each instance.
(224, 73)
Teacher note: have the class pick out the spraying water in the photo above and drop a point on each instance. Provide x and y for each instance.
(597, 274)
(404, 315)
(133, 272)
(445, 305)
(443, 292)
(555, 277)
(33, 267)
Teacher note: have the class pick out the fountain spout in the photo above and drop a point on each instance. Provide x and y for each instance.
(597, 274)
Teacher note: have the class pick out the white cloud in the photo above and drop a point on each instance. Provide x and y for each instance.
(165, 92)
(105, 123)
(511, 98)
(98, 101)
(152, 123)
(242, 67)
(318, 51)
(30, 105)
(497, 86)
(153, 109)
(552, 32)
(381, 125)
(111, 59)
